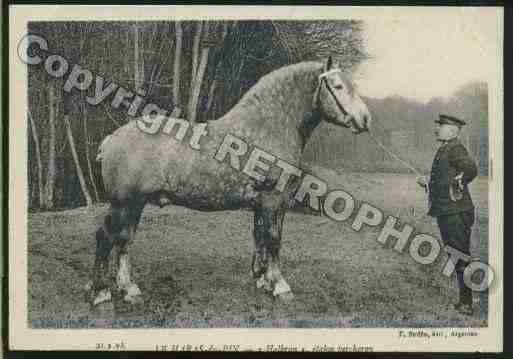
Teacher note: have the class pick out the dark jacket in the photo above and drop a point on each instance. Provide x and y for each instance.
(450, 160)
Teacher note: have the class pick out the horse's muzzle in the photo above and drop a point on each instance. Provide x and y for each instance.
(356, 128)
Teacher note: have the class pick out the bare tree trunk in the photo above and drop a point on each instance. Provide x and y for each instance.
(35, 136)
(138, 61)
(196, 49)
(84, 121)
(198, 72)
(196, 85)
(88, 159)
(177, 63)
(80, 174)
(215, 81)
(50, 175)
(126, 58)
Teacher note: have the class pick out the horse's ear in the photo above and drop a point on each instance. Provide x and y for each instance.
(329, 64)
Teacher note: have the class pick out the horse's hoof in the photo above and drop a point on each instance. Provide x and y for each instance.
(133, 299)
(103, 295)
(285, 297)
(264, 283)
(133, 294)
(281, 287)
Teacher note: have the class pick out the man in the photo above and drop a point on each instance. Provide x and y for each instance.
(449, 198)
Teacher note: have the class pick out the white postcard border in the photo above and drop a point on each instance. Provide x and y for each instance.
(21, 337)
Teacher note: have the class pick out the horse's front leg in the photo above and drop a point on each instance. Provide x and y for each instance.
(100, 285)
(267, 231)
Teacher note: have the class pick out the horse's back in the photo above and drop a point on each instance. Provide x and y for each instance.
(135, 163)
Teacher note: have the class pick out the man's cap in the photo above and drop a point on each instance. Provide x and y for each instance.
(450, 120)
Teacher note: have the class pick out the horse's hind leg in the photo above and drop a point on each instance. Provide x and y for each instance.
(266, 262)
(124, 282)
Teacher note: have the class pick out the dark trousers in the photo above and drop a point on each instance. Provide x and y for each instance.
(455, 230)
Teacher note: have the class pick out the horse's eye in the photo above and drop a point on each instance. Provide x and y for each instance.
(339, 86)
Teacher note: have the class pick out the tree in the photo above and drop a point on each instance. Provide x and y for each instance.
(138, 60)
(177, 63)
(88, 156)
(51, 171)
(35, 136)
(317, 39)
(80, 173)
(199, 64)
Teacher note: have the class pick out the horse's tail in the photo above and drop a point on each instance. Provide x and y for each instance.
(102, 148)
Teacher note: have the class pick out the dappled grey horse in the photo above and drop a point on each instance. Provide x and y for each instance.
(277, 116)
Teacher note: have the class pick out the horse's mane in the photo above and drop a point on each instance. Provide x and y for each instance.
(279, 90)
(286, 89)
(286, 79)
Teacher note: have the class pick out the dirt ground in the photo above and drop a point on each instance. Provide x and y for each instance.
(194, 267)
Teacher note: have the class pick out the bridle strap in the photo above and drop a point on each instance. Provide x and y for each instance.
(340, 107)
(329, 72)
(322, 78)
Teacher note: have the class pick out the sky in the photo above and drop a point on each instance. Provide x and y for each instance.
(428, 54)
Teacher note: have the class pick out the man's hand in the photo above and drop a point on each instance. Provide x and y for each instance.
(459, 180)
(422, 181)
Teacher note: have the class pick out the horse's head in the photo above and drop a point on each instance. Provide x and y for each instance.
(338, 101)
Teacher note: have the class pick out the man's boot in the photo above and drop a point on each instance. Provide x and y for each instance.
(464, 305)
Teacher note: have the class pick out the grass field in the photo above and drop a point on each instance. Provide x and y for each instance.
(194, 267)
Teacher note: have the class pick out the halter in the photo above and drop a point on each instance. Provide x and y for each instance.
(322, 79)
(326, 73)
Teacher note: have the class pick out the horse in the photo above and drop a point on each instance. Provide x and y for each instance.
(278, 114)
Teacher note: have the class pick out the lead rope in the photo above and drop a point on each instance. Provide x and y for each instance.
(406, 164)
(393, 155)
(398, 159)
